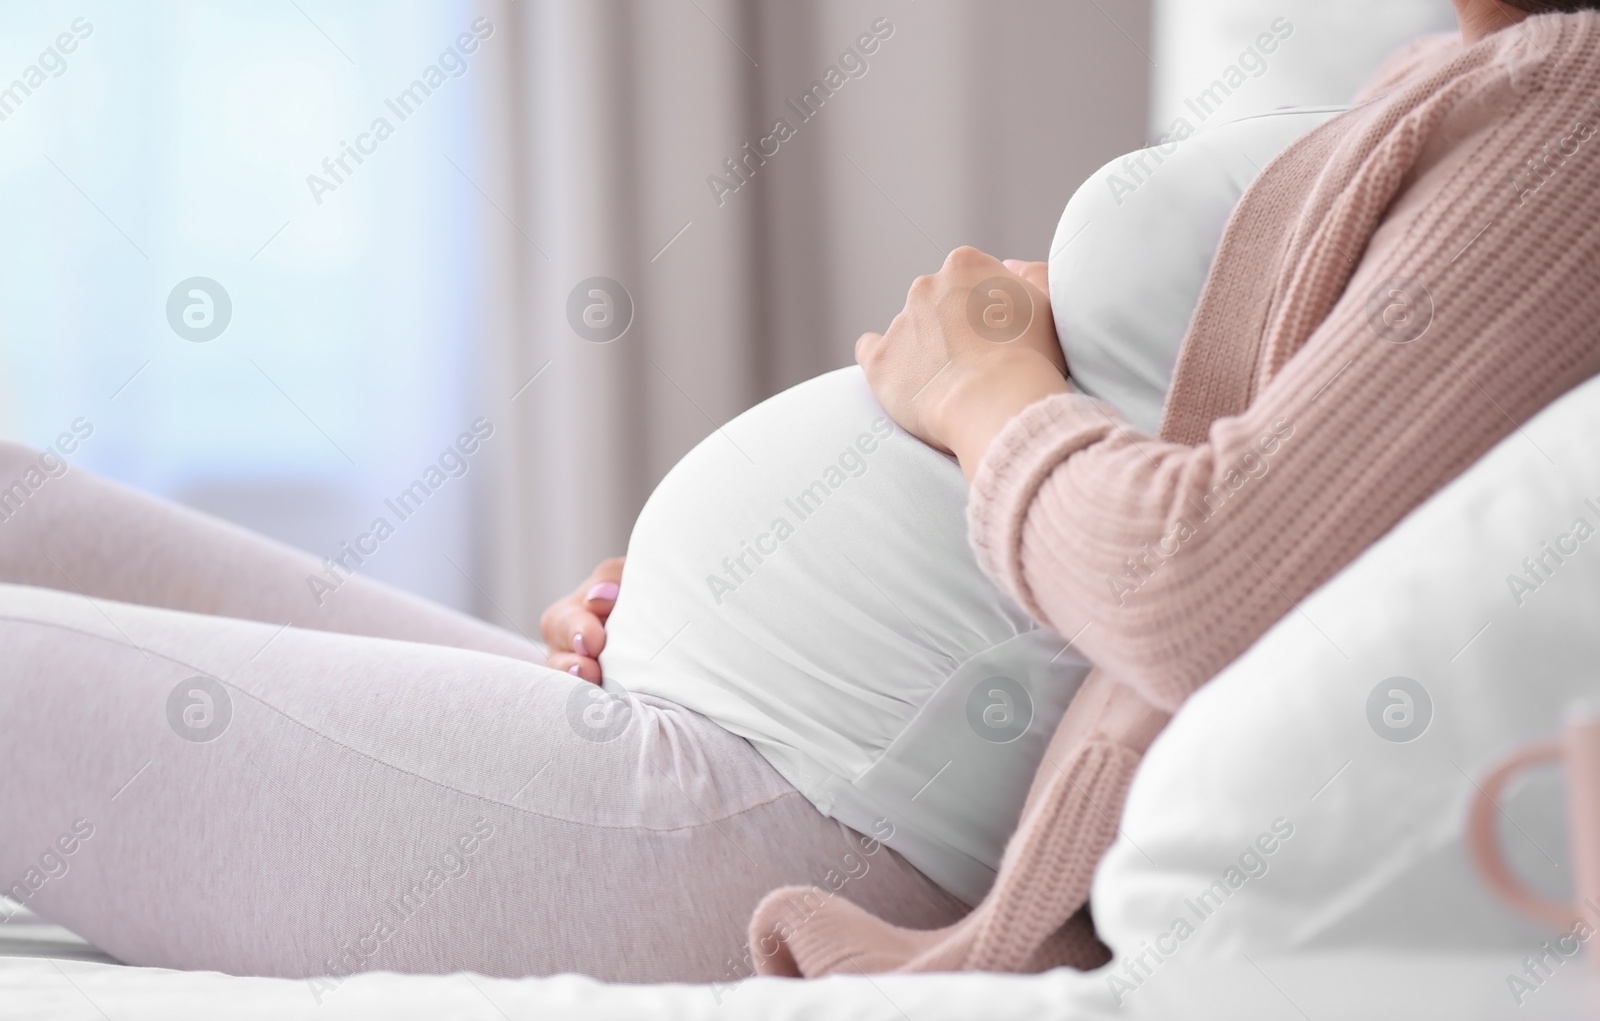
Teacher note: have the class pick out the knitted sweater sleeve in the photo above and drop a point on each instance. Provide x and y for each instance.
(1471, 308)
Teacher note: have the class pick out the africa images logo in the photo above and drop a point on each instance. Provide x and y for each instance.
(199, 309)
(1400, 310)
(597, 714)
(199, 709)
(1399, 709)
(1000, 309)
(999, 710)
(600, 309)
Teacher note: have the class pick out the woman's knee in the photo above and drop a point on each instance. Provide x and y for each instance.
(23, 473)
(14, 459)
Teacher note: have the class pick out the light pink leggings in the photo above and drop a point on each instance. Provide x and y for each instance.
(383, 784)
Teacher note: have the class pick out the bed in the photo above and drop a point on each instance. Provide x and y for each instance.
(47, 974)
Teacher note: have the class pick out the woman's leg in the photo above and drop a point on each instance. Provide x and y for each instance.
(189, 791)
(80, 533)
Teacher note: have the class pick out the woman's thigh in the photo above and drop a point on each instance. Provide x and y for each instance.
(204, 792)
(81, 533)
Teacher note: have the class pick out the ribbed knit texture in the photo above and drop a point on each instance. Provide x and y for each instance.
(1172, 555)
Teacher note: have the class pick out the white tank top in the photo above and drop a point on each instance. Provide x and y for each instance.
(803, 576)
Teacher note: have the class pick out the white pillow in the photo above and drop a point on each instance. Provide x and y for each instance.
(1376, 854)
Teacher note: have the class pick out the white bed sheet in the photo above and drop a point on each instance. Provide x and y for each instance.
(46, 974)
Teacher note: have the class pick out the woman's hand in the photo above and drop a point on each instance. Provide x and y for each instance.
(575, 627)
(975, 344)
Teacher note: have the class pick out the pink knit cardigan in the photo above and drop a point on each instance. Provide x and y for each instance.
(1397, 292)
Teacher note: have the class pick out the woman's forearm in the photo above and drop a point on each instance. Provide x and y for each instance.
(981, 405)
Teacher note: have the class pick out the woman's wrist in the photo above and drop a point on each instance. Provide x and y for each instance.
(981, 405)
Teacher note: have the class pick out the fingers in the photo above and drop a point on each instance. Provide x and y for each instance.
(574, 628)
(569, 627)
(967, 256)
(864, 346)
(1035, 273)
(609, 570)
(600, 591)
(578, 666)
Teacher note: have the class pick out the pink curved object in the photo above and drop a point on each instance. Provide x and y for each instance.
(1483, 839)
(1577, 750)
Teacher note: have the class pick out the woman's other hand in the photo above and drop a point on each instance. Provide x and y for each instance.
(574, 628)
(975, 344)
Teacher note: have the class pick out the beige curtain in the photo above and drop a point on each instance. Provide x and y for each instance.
(972, 122)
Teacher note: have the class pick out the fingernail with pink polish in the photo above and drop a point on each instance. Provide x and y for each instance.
(605, 590)
(573, 670)
(578, 646)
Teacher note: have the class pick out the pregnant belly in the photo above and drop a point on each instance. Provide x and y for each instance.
(803, 578)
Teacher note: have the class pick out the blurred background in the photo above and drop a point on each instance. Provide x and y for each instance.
(382, 286)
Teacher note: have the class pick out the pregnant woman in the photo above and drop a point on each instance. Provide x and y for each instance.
(834, 733)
